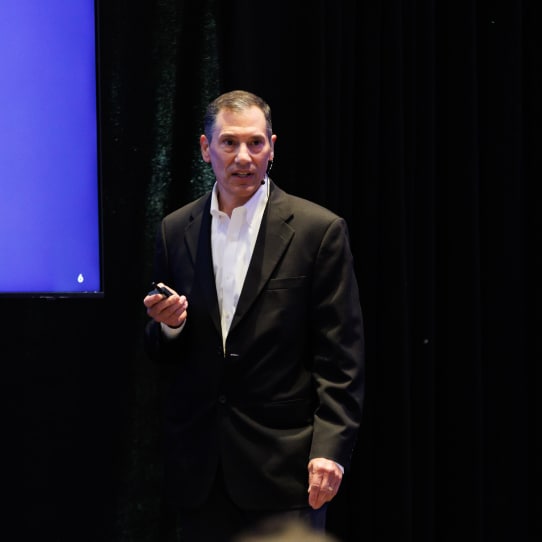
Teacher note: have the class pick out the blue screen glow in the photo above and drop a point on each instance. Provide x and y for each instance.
(49, 173)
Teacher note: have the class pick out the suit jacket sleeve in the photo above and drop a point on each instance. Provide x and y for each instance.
(338, 345)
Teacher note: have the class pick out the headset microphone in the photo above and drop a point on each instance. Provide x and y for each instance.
(269, 166)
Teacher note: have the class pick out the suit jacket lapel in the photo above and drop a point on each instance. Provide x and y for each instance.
(198, 240)
(273, 239)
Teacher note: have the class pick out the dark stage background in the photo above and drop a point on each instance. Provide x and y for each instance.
(419, 121)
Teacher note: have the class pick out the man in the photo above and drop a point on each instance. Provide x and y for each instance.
(264, 331)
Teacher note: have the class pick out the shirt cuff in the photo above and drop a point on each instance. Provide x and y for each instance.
(171, 332)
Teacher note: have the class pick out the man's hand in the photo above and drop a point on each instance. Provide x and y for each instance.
(168, 310)
(325, 477)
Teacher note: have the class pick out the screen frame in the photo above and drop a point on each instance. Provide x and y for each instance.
(6, 292)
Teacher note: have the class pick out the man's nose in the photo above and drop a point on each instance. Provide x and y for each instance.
(243, 154)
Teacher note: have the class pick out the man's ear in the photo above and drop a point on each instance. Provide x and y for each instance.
(204, 147)
(273, 139)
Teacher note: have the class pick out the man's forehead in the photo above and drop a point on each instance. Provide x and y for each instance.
(238, 131)
(250, 119)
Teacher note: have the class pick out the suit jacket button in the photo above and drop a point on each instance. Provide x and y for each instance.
(222, 399)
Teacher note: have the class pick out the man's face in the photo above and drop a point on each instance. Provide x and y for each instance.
(238, 153)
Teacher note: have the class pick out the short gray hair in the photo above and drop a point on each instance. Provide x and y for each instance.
(235, 100)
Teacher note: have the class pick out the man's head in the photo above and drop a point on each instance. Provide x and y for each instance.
(239, 144)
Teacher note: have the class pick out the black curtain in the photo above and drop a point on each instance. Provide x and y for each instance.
(418, 121)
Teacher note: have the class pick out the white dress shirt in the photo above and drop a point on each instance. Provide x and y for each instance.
(233, 241)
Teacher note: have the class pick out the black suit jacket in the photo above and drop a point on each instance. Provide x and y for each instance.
(289, 385)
